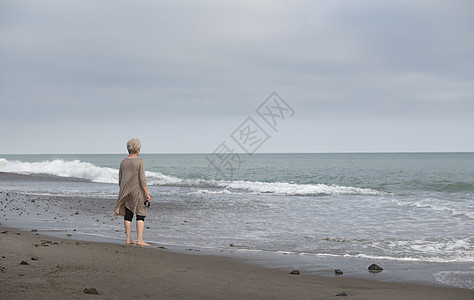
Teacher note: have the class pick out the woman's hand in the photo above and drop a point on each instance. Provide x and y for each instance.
(148, 198)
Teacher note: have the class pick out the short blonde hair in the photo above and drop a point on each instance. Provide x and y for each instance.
(133, 146)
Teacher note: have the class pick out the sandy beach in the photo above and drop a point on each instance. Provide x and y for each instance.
(63, 268)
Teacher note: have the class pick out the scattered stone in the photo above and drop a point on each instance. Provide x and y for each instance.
(34, 258)
(76, 213)
(91, 291)
(21, 274)
(17, 233)
(338, 272)
(46, 243)
(162, 247)
(34, 230)
(295, 272)
(5, 232)
(373, 268)
(69, 234)
(24, 263)
(341, 295)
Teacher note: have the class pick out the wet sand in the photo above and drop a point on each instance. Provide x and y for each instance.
(65, 267)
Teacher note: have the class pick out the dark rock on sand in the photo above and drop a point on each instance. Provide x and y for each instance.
(34, 258)
(295, 272)
(24, 263)
(341, 295)
(91, 291)
(338, 272)
(373, 268)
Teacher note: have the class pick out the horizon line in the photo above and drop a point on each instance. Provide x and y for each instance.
(243, 153)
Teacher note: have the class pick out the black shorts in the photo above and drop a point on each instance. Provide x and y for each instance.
(129, 216)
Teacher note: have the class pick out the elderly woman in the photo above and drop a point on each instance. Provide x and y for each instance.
(133, 192)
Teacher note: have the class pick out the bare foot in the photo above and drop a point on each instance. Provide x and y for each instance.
(142, 244)
(130, 243)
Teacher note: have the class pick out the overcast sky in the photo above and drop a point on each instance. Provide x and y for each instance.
(361, 75)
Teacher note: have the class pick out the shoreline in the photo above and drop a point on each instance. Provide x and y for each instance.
(51, 216)
(56, 217)
(65, 267)
(60, 215)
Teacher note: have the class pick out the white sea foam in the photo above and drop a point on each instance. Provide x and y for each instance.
(396, 258)
(449, 207)
(62, 168)
(423, 250)
(462, 279)
(85, 170)
(217, 192)
(292, 189)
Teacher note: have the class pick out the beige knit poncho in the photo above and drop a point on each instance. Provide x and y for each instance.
(132, 181)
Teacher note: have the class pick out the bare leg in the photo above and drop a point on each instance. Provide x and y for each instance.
(140, 226)
(128, 231)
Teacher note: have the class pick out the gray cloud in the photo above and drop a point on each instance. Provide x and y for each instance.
(201, 66)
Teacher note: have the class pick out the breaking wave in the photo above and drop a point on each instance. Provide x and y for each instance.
(89, 171)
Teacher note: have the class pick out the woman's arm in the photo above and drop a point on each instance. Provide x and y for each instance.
(120, 175)
(142, 178)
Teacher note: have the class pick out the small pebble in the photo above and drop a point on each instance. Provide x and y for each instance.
(295, 272)
(341, 295)
(373, 268)
(91, 291)
(24, 263)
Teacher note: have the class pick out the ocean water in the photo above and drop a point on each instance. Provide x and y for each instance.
(400, 209)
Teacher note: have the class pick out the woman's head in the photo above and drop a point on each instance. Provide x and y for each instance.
(133, 146)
